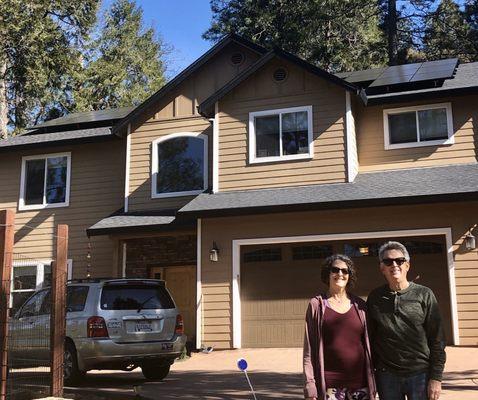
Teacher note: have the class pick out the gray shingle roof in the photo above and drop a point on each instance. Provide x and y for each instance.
(87, 116)
(374, 188)
(131, 221)
(55, 137)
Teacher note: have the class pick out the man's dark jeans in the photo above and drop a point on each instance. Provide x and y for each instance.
(395, 387)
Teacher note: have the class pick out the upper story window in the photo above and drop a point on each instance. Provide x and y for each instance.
(426, 125)
(284, 134)
(179, 165)
(45, 181)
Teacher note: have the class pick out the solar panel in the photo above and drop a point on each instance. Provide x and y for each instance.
(396, 74)
(366, 75)
(440, 69)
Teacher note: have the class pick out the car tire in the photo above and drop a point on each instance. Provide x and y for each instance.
(155, 372)
(72, 374)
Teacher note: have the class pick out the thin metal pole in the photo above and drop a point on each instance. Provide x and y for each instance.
(250, 385)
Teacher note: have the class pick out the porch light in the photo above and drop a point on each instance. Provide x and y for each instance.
(470, 241)
(363, 250)
(214, 252)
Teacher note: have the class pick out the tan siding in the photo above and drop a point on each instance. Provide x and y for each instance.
(260, 93)
(97, 188)
(454, 215)
(370, 136)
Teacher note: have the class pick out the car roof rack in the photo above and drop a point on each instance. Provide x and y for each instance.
(103, 279)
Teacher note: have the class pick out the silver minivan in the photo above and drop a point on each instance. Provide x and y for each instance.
(110, 324)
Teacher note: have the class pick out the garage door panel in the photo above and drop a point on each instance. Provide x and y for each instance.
(275, 294)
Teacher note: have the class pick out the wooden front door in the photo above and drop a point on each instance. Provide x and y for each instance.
(181, 283)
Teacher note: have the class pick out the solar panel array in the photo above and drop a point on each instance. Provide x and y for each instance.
(400, 74)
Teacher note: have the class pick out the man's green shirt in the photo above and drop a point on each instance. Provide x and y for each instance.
(406, 331)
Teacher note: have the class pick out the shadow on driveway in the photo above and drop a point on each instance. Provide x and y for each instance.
(194, 385)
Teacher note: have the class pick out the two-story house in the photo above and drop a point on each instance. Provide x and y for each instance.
(236, 179)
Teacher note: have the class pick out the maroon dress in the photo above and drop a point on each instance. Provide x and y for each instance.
(344, 350)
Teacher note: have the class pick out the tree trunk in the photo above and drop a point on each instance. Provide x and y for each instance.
(3, 102)
(392, 39)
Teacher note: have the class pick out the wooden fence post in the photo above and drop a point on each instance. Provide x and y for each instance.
(58, 310)
(7, 234)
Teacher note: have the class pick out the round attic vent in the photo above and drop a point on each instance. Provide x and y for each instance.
(280, 74)
(237, 58)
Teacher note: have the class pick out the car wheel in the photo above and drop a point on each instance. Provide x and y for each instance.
(156, 372)
(71, 373)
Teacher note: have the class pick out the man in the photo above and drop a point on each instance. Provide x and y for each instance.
(406, 332)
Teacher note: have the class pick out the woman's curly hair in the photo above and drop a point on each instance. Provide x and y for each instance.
(328, 263)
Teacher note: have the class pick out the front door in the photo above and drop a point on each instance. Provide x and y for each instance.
(181, 283)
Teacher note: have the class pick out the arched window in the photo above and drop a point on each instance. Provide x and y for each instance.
(179, 165)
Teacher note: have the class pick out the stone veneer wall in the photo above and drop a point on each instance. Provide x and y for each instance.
(144, 253)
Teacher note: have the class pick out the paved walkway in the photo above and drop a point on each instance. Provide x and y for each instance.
(275, 374)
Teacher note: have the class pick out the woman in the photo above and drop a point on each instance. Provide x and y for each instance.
(337, 361)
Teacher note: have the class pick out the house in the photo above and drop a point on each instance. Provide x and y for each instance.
(235, 180)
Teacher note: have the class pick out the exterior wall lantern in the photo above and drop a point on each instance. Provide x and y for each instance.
(214, 253)
(470, 240)
(363, 250)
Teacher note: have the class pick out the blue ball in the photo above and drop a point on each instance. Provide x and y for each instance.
(242, 364)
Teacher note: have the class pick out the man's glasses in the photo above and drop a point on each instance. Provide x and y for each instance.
(389, 261)
(336, 270)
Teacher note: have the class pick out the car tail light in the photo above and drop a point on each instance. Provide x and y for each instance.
(179, 330)
(96, 327)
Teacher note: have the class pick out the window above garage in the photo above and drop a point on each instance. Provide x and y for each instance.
(179, 165)
(280, 135)
(425, 125)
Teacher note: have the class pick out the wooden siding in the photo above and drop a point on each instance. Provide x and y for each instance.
(371, 147)
(140, 161)
(178, 113)
(260, 93)
(97, 188)
(216, 277)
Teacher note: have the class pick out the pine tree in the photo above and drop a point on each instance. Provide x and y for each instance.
(471, 16)
(447, 33)
(124, 63)
(334, 34)
(40, 42)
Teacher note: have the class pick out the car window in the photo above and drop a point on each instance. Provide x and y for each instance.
(33, 305)
(134, 297)
(76, 298)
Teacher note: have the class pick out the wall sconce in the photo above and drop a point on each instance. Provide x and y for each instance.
(470, 240)
(214, 253)
(363, 250)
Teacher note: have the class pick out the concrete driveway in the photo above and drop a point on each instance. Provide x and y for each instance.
(275, 374)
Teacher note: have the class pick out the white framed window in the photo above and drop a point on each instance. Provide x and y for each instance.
(425, 125)
(45, 181)
(281, 134)
(179, 165)
(29, 276)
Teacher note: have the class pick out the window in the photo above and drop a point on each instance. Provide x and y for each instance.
(263, 255)
(29, 276)
(427, 125)
(45, 181)
(33, 306)
(179, 165)
(278, 135)
(311, 252)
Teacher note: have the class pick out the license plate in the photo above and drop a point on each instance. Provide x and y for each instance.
(143, 327)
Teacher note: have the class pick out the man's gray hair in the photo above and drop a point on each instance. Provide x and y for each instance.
(393, 246)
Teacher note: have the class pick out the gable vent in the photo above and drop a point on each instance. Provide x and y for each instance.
(280, 74)
(237, 58)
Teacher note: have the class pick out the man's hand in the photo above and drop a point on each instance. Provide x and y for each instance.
(434, 389)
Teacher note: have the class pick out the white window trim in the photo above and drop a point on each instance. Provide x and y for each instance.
(390, 111)
(252, 136)
(154, 165)
(21, 202)
(40, 276)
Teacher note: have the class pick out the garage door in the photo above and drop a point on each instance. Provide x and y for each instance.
(278, 281)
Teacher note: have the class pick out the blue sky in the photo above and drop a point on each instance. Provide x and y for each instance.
(181, 24)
